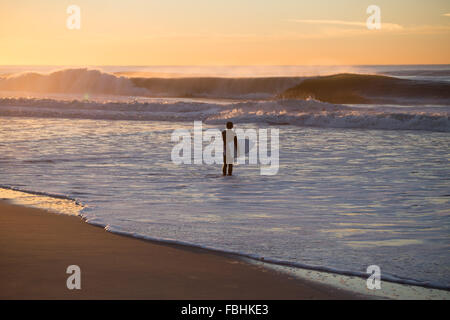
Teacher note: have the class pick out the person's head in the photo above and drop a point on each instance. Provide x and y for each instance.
(229, 125)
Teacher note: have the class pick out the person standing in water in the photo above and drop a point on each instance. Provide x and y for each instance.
(229, 149)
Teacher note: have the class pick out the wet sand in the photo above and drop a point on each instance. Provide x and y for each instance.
(37, 246)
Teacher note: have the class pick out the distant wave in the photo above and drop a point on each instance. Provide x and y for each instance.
(369, 89)
(340, 88)
(87, 81)
(420, 73)
(293, 112)
(246, 88)
(71, 81)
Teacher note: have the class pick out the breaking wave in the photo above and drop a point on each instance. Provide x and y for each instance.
(280, 112)
(340, 88)
(211, 87)
(88, 81)
(370, 89)
(71, 81)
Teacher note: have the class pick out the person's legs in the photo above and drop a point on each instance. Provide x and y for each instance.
(224, 167)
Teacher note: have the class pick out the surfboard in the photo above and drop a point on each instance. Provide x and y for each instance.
(248, 146)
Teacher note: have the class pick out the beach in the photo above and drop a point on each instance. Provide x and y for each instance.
(355, 185)
(37, 246)
(117, 120)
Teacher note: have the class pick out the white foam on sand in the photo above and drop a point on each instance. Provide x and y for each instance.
(358, 285)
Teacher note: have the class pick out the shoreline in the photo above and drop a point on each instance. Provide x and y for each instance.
(353, 284)
(38, 245)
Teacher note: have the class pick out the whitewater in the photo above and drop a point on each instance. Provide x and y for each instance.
(359, 183)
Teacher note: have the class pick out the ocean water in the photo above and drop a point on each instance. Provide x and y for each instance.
(358, 185)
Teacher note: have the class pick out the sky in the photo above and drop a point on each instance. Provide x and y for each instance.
(231, 32)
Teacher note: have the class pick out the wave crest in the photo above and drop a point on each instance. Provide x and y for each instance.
(91, 81)
(369, 89)
(292, 112)
(340, 88)
(82, 80)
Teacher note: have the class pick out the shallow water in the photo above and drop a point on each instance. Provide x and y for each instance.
(343, 199)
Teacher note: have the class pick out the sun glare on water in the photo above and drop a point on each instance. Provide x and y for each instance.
(53, 204)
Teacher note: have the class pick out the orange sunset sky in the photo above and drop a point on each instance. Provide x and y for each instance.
(232, 32)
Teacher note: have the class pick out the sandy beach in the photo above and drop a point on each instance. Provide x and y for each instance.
(118, 119)
(37, 246)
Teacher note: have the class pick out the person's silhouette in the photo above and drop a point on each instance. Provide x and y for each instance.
(229, 148)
